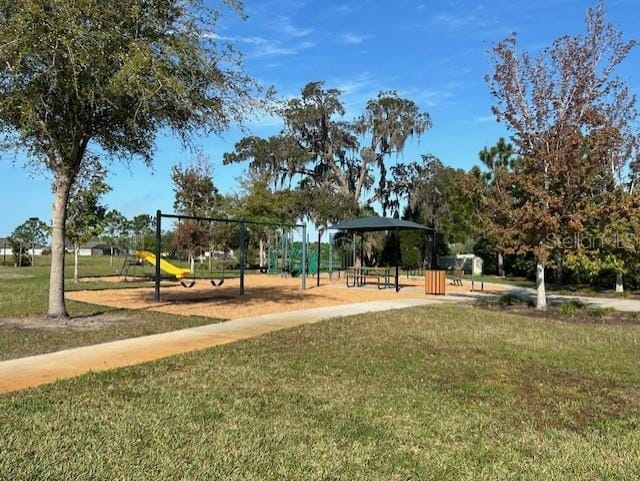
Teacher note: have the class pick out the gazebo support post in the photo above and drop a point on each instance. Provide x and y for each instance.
(318, 260)
(397, 256)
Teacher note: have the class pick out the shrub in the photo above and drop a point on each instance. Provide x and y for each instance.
(599, 312)
(509, 300)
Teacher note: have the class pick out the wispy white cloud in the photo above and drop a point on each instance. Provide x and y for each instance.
(429, 98)
(477, 17)
(455, 21)
(484, 119)
(274, 48)
(284, 26)
(355, 85)
(265, 47)
(353, 38)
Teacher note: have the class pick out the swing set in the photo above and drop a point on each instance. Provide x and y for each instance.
(188, 277)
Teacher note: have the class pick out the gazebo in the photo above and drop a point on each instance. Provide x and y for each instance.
(377, 224)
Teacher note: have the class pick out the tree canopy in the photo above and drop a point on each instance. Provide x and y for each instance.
(574, 129)
(327, 153)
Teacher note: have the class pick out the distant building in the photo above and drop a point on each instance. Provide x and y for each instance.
(5, 247)
(469, 263)
(7, 250)
(95, 248)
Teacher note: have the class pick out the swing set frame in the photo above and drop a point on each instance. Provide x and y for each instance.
(242, 242)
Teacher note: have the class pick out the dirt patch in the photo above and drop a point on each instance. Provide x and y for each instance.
(264, 294)
(78, 323)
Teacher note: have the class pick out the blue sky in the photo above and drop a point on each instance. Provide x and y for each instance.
(433, 52)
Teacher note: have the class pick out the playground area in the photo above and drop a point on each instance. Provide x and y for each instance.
(264, 294)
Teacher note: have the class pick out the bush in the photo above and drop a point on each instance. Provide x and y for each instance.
(521, 266)
(486, 250)
(571, 308)
(509, 300)
(599, 312)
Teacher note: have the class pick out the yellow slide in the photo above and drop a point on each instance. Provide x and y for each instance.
(166, 266)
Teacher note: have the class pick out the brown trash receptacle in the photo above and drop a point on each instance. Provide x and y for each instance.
(434, 282)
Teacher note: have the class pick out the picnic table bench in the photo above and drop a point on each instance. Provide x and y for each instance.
(357, 276)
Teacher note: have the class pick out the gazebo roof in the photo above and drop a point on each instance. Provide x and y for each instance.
(376, 223)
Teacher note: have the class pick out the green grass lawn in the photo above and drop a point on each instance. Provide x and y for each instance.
(18, 342)
(24, 292)
(435, 393)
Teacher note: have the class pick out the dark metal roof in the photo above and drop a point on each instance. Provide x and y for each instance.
(375, 223)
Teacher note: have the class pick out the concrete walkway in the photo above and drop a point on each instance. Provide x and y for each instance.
(26, 372)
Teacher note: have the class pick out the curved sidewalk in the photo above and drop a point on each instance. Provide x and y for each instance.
(22, 373)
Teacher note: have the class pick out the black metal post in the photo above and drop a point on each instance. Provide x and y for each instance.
(330, 257)
(354, 250)
(318, 273)
(242, 256)
(434, 263)
(304, 257)
(397, 256)
(158, 252)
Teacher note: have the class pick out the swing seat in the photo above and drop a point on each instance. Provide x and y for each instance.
(189, 284)
(215, 283)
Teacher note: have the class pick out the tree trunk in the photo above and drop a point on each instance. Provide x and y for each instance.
(57, 308)
(619, 283)
(263, 254)
(559, 270)
(192, 263)
(76, 249)
(500, 264)
(541, 295)
(111, 257)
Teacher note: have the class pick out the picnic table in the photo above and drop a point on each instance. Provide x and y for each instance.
(358, 276)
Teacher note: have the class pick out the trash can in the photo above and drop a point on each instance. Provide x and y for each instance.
(434, 282)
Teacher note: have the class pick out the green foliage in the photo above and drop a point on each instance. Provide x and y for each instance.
(113, 73)
(486, 250)
(509, 300)
(195, 192)
(116, 229)
(571, 308)
(439, 201)
(323, 153)
(31, 233)
(599, 312)
(411, 248)
(85, 212)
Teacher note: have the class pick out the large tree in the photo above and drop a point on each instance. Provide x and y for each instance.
(110, 73)
(571, 120)
(325, 152)
(495, 160)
